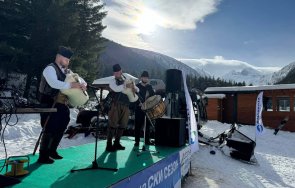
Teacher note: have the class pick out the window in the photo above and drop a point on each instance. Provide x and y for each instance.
(283, 104)
(267, 103)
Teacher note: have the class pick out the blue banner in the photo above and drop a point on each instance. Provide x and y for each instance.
(258, 117)
(165, 173)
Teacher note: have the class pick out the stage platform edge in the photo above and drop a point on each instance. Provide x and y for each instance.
(149, 169)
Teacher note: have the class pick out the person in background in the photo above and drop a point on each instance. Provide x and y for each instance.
(145, 91)
(119, 112)
(54, 124)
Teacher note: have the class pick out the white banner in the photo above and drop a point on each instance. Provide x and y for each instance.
(258, 118)
(192, 123)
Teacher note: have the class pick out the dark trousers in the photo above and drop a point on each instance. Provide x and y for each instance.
(139, 124)
(54, 129)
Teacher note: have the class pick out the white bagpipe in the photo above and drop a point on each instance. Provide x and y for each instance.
(76, 96)
(128, 91)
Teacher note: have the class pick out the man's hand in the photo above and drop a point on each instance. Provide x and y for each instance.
(130, 85)
(133, 90)
(78, 86)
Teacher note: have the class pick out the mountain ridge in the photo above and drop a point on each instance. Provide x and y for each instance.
(134, 61)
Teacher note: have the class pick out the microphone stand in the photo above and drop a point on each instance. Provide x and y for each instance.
(144, 149)
(94, 162)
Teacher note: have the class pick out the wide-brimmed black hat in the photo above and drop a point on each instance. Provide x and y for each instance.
(64, 51)
(145, 74)
(116, 68)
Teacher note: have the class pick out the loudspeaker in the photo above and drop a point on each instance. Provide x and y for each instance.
(173, 80)
(170, 132)
(243, 146)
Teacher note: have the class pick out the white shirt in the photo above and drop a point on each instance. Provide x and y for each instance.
(119, 88)
(50, 75)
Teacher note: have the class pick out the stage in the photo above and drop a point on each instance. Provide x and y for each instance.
(149, 169)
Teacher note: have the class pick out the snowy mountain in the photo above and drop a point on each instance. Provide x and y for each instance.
(249, 76)
(234, 70)
(134, 61)
(169, 62)
(281, 74)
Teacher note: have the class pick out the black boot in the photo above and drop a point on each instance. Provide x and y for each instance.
(110, 147)
(53, 147)
(110, 135)
(44, 158)
(44, 149)
(117, 144)
(55, 155)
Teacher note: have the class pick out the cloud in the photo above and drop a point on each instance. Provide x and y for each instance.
(218, 66)
(183, 15)
(123, 17)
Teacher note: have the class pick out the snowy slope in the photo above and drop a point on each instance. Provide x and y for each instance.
(134, 61)
(276, 163)
(235, 70)
(279, 75)
(169, 62)
(249, 76)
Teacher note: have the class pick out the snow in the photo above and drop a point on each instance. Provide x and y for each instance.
(279, 75)
(215, 96)
(235, 70)
(275, 155)
(107, 80)
(249, 88)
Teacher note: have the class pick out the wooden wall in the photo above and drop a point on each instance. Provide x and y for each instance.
(214, 109)
(224, 109)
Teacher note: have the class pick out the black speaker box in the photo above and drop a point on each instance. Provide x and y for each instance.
(170, 132)
(243, 146)
(173, 80)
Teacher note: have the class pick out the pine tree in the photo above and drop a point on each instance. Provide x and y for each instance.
(32, 30)
(87, 39)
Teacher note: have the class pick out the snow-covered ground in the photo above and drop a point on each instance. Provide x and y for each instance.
(275, 155)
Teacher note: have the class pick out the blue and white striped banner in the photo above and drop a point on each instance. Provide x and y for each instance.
(258, 118)
(192, 123)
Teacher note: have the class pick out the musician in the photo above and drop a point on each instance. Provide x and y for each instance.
(145, 91)
(52, 80)
(119, 112)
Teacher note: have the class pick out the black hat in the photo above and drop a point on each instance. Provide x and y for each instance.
(64, 51)
(145, 74)
(116, 68)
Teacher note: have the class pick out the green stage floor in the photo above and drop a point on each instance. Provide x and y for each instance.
(58, 174)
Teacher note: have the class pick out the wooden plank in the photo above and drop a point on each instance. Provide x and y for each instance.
(27, 110)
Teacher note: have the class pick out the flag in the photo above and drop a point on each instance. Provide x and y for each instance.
(192, 123)
(258, 118)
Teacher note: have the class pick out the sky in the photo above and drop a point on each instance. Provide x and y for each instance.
(257, 32)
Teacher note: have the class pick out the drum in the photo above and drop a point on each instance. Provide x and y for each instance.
(154, 107)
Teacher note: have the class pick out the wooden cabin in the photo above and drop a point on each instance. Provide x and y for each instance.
(215, 106)
(239, 104)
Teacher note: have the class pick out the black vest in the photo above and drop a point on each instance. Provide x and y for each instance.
(143, 90)
(44, 87)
